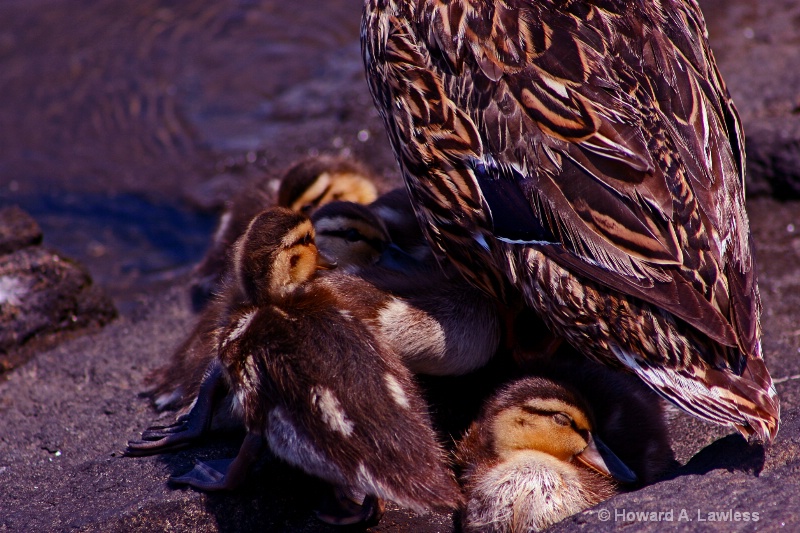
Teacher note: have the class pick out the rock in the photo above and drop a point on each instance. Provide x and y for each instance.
(757, 47)
(41, 292)
(773, 156)
(17, 230)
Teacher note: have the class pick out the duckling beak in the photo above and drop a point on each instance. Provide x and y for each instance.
(325, 263)
(394, 258)
(599, 457)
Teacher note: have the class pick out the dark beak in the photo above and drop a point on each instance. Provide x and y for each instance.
(599, 457)
(325, 263)
(394, 258)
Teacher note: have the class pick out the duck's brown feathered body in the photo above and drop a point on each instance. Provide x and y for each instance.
(586, 155)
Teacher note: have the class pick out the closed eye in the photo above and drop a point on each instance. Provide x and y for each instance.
(305, 240)
(350, 235)
(353, 235)
(562, 420)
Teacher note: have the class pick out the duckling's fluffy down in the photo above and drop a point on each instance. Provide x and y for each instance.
(530, 492)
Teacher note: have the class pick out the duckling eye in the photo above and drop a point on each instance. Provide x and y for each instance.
(306, 209)
(307, 239)
(352, 235)
(561, 419)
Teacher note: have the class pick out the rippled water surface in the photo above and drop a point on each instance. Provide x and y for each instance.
(160, 107)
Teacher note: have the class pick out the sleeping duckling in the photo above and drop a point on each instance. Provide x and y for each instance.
(540, 452)
(306, 185)
(439, 326)
(353, 236)
(323, 179)
(312, 383)
(395, 210)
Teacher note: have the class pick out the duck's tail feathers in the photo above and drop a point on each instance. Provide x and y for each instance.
(747, 402)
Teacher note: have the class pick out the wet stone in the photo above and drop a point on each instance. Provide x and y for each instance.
(41, 292)
(17, 230)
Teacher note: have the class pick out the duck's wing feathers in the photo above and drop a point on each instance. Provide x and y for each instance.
(608, 122)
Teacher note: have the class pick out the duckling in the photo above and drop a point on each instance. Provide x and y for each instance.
(312, 383)
(586, 157)
(353, 236)
(306, 185)
(395, 210)
(438, 326)
(319, 180)
(349, 235)
(540, 451)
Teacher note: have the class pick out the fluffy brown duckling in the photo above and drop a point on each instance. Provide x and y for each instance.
(349, 234)
(312, 383)
(353, 236)
(319, 180)
(541, 449)
(438, 325)
(306, 185)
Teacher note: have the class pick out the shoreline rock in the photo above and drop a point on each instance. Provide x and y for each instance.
(42, 293)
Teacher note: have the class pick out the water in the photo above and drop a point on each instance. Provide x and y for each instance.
(125, 240)
(124, 124)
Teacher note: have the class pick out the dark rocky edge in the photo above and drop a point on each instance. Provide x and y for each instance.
(42, 293)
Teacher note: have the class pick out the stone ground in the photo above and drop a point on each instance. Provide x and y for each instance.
(152, 113)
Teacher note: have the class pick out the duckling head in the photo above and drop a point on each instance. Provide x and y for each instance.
(316, 181)
(541, 415)
(276, 255)
(350, 233)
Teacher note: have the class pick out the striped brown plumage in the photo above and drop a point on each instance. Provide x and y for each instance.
(587, 156)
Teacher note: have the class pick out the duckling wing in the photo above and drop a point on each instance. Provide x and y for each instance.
(332, 402)
(599, 133)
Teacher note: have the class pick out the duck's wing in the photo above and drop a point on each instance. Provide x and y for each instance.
(599, 132)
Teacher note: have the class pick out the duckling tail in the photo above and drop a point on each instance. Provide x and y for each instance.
(430, 487)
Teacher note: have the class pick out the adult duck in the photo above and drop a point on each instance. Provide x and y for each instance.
(586, 158)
